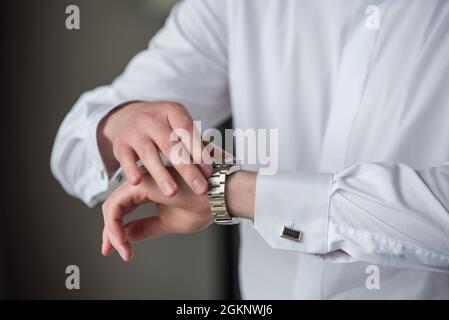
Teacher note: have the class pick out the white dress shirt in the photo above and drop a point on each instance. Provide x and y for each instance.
(363, 119)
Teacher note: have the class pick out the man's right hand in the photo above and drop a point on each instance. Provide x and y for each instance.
(141, 130)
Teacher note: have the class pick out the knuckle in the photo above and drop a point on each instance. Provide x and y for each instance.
(166, 145)
(185, 123)
(174, 106)
(148, 116)
(124, 135)
(129, 134)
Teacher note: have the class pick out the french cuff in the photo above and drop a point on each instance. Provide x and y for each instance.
(292, 210)
(106, 182)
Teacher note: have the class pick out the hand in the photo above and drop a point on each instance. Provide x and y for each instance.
(141, 130)
(184, 213)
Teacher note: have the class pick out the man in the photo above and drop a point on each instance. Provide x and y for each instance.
(362, 113)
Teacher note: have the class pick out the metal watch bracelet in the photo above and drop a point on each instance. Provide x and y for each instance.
(216, 194)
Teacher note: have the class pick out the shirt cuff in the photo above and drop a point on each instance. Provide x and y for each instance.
(299, 201)
(106, 183)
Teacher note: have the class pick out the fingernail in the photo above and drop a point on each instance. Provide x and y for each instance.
(199, 186)
(168, 187)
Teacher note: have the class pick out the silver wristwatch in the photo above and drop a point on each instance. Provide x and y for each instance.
(216, 194)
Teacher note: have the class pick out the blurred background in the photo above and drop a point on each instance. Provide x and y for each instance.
(45, 68)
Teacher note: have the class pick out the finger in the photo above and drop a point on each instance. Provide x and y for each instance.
(180, 119)
(125, 250)
(192, 141)
(149, 155)
(147, 228)
(115, 236)
(106, 247)
(191, 174)
(128, 158)
(119, 203)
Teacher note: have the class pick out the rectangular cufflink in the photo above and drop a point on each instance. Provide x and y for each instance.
(291, 234)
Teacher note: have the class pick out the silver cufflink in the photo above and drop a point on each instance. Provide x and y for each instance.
(291, 234)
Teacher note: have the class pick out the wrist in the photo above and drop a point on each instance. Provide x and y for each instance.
(240, 194)
(106, 131)
(105, 146)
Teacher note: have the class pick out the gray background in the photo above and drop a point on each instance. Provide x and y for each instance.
(46, 68)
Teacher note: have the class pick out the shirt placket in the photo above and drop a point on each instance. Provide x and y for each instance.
(349, 87)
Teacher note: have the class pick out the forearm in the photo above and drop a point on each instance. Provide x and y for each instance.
(240, 194)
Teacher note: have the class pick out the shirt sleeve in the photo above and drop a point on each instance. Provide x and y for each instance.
(186, 62)
(383, 213)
